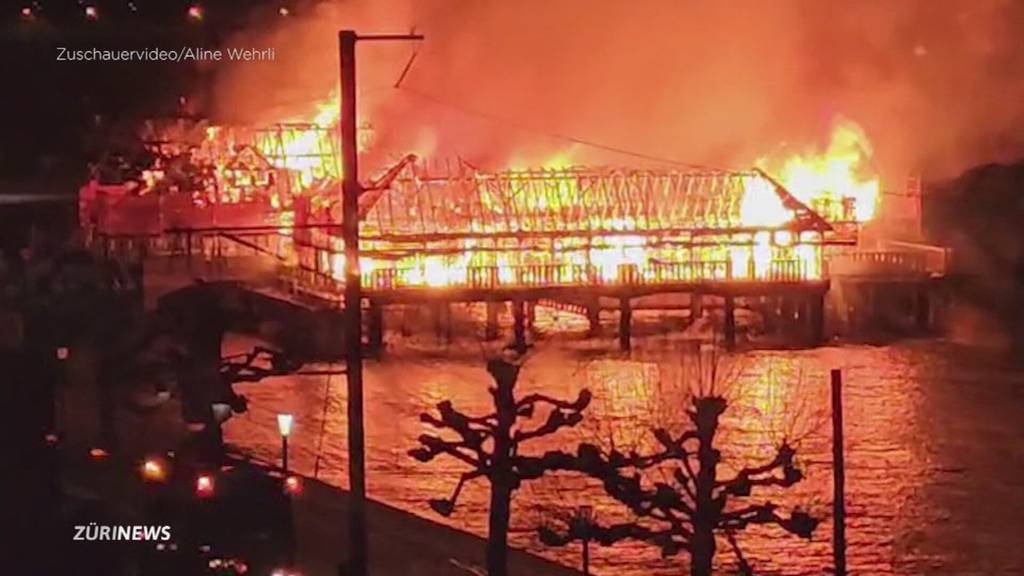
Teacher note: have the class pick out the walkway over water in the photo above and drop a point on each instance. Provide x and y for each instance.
(567, 234)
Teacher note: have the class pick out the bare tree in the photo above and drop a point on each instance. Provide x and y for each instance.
(684, 509)
(490, 446)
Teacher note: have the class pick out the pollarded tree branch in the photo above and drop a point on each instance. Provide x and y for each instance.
(799, 522)
(580, 404)
(434, 447)
(557, 420)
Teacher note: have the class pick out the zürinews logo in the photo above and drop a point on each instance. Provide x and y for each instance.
(94, 532)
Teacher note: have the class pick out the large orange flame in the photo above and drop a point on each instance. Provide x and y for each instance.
(838, 183)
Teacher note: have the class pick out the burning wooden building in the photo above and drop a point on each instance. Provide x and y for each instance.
(449, 232)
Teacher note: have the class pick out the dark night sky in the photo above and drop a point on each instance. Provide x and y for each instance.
(57, 115)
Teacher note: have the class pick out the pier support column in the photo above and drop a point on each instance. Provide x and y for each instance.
(922, 309)
(519, 325)
(787, 310)
(625, 324)
(730, 322)
(594, 316)
(408, 317)
(816, 318)
(443, 321)
(531, 315)
(491, 327)
(769, 313)
(375, 330)
(696, 307)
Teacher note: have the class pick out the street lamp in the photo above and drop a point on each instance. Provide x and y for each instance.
(284, 426)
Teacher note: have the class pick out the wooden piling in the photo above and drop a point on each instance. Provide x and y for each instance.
(696, 306)
(443, 321)
(594, 316)
(491, 327)
(816, 318)
(730, 322)
(519, 325)
(375, 329)
(625, 324)
(922, 308)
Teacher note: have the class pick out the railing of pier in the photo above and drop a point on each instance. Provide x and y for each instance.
(316, 268)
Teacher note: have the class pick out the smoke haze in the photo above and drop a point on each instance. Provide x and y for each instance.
(937, 85)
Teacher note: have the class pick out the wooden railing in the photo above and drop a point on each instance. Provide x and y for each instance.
(887, 263)
(311, 267)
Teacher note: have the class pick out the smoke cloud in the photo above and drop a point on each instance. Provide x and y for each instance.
(935, 84)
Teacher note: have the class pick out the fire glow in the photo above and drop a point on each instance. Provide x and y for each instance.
(555, 225)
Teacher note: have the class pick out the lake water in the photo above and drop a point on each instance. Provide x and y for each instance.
(935, 444)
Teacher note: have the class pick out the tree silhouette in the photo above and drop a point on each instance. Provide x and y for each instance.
(490, 446)
(683, 511)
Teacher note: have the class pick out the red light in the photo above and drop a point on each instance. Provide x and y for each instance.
(51, 439)
(293, 485)
(283, 11)
(62, 353)
(91, 13)
(26, 12)
(98, 453)
(195, 12)
(204, 486)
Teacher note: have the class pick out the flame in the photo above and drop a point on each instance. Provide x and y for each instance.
(755, 242)
(839, 184)
(761, 206)
(624, 254)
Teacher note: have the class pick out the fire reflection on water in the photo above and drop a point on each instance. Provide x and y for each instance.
(893, 443)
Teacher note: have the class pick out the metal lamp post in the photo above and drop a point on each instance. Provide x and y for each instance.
(284, 426)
